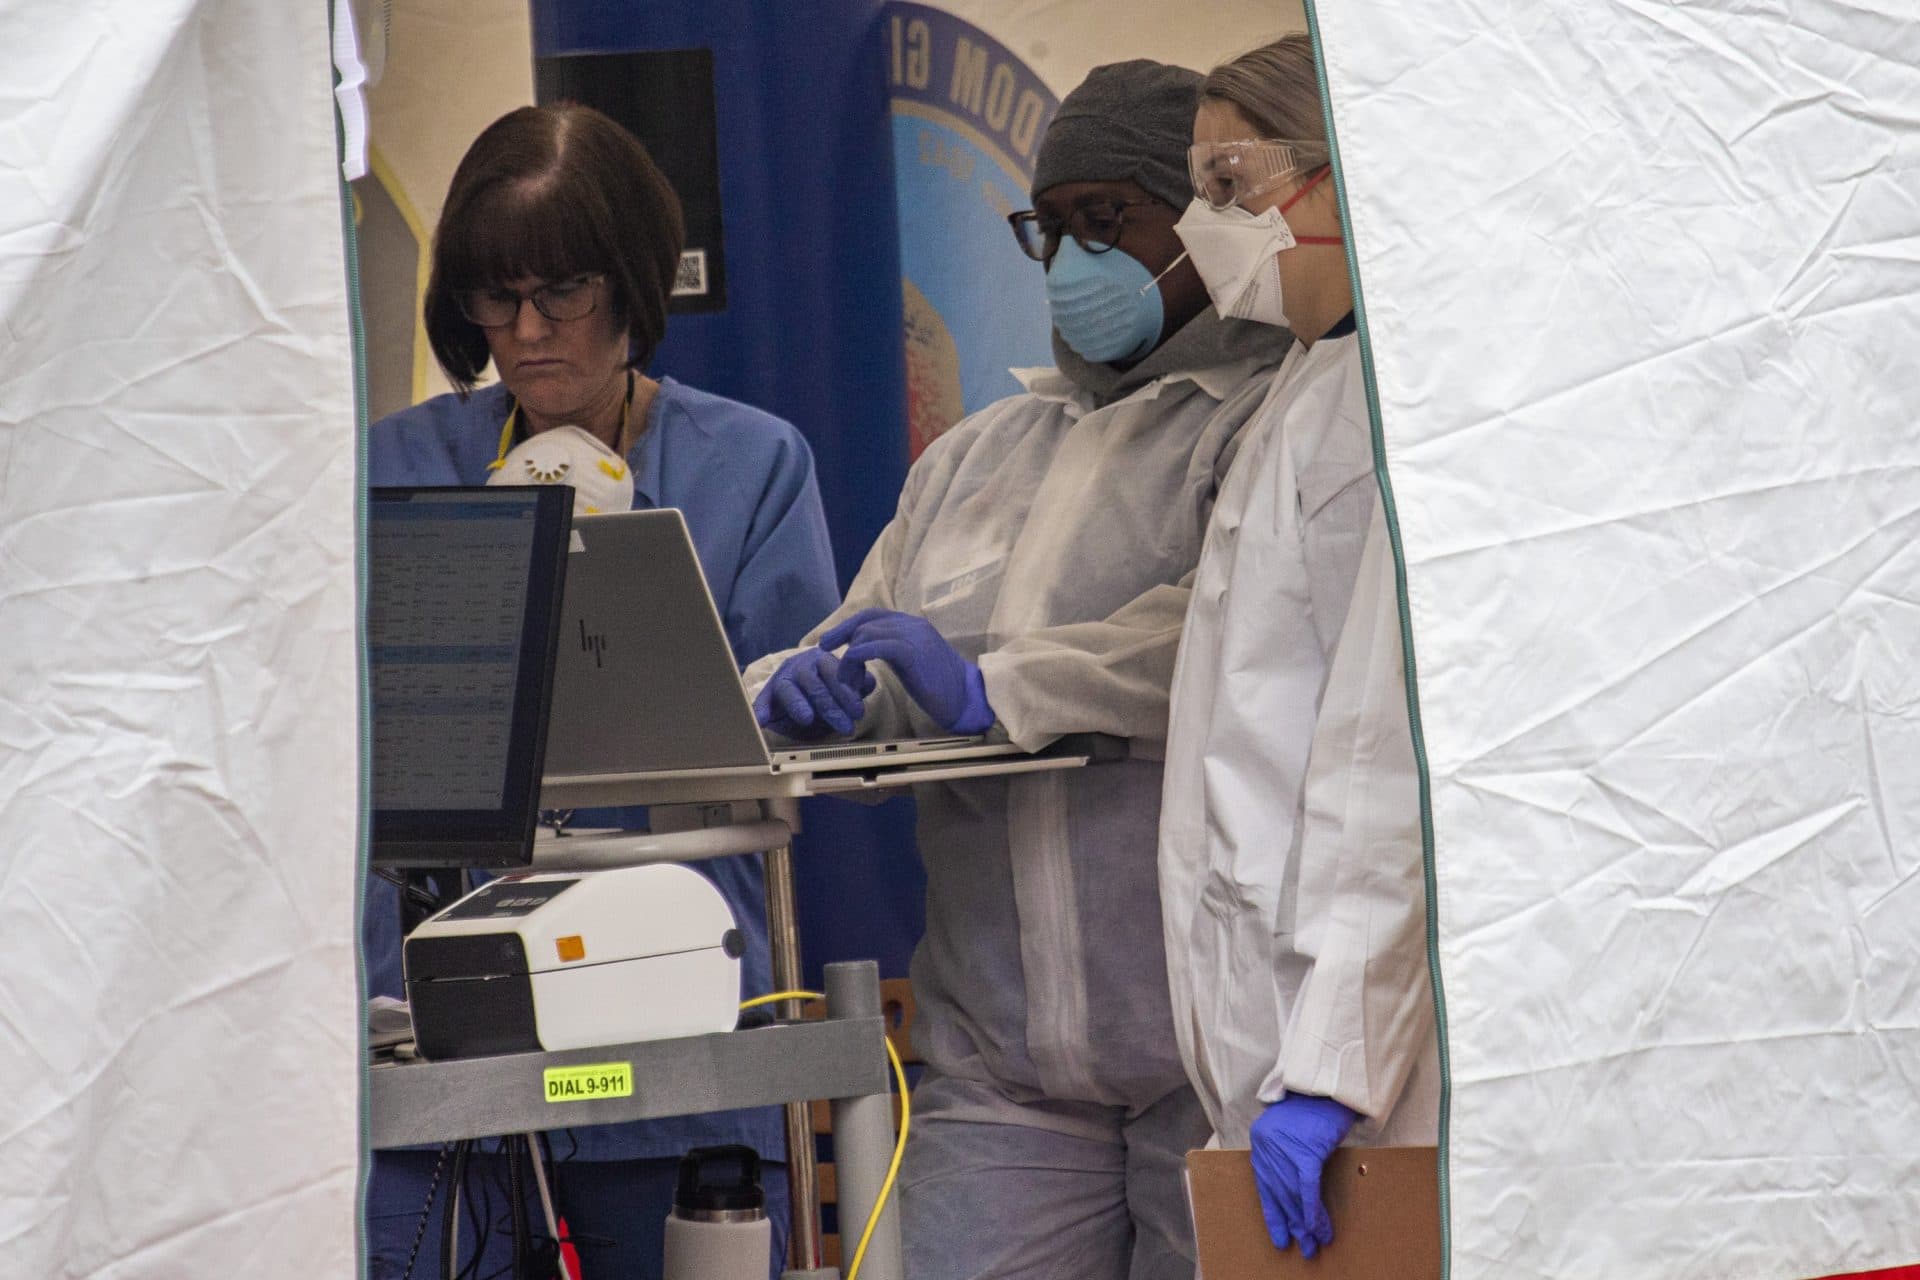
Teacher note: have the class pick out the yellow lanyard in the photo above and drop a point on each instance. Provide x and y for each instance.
(513, 421)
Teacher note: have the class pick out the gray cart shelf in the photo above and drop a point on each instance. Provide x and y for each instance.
(843, 1059)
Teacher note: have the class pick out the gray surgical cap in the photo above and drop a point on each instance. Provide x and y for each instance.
(1128, 121)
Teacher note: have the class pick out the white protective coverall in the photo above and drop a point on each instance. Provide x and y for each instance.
(1050, 537)
(1291, 875)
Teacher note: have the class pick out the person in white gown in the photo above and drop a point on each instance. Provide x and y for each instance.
(1034, 581)
(1292, 878)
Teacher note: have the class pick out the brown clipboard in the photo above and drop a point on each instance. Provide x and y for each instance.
(1384, 1201)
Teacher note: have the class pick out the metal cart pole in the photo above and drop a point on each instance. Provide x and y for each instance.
(863, 1136)
(803, 1183)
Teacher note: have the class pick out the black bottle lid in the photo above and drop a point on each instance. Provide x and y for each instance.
(719, 1180)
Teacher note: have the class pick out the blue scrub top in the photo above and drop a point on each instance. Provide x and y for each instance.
(744, 480)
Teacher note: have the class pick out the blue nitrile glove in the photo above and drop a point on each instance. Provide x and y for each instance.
(946, 685)
(1291, 1142)
(814, 694)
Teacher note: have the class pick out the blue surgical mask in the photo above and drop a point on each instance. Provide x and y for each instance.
(1106, 306)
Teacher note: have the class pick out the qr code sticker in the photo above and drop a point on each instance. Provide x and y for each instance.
(691, 278)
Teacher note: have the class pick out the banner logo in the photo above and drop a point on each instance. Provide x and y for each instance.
(968, 116)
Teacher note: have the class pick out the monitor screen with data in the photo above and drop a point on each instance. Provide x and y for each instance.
(463, 608)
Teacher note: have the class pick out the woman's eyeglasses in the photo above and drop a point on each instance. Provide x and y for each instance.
(572, 299)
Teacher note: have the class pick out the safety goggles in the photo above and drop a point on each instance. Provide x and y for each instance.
(1227, 173)
(572, 299)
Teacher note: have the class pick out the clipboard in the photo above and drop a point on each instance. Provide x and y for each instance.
(1385, 1204)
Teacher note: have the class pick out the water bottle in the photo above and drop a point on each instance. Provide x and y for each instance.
(718, 1229)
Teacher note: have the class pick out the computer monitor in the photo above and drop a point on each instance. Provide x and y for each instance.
(463, 611)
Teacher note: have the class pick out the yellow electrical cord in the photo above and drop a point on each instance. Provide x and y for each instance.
(508, 431)
(900, 1143)
(779, 997)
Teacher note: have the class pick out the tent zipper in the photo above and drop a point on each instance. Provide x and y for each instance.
(1406, 638)
(357, 336)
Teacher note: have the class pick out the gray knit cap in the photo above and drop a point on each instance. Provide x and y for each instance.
(1127, 121)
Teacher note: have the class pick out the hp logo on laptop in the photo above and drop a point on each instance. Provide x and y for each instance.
(593, 642)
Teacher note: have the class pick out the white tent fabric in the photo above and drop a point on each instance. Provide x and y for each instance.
(179, 753)
(1642, 286)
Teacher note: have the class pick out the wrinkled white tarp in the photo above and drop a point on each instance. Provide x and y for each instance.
(1643, 285)
(178, 698)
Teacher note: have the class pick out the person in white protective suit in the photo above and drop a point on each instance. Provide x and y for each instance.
(1035, 578)
(1292, 877)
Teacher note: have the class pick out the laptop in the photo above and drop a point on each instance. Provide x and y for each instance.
(649, 707)
(464, 591)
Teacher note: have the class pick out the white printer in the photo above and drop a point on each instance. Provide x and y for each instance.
(571, 960)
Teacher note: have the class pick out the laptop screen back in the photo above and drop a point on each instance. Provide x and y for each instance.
(463, 606)
(645, 680)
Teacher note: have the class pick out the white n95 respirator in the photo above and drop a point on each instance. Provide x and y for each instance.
(1235, 253)
(601, 479)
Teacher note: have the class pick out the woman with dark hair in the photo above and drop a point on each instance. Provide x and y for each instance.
(552, 262)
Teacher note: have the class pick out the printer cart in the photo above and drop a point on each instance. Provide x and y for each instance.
(842, 1058)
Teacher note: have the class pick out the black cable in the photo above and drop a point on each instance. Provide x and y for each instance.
(493, 1178)
(426, 1212)
(543, 1152)
(518, 1203)
(449, 1227)
(498, 1178)
(502, 1272)
(479, 1205)
(423, 893)
(411, 891)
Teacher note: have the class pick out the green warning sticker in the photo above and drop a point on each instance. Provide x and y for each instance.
(589, 1080)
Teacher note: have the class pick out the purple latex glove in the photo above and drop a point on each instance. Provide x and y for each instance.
(946, 685)
(1291, 1142)
(814, 694)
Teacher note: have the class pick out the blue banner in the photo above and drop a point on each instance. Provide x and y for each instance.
(810, 330)
(865, 151)
(967, 119)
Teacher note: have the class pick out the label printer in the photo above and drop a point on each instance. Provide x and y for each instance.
(556, 960)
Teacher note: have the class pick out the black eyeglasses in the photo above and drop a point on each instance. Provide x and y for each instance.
(1095, 226)
(572, 299)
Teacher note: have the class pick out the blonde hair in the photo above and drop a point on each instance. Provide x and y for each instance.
(1277, 88)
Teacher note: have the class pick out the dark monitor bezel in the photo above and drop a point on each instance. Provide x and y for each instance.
(501, 837)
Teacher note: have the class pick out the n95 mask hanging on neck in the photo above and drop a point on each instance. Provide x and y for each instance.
(601, 479)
